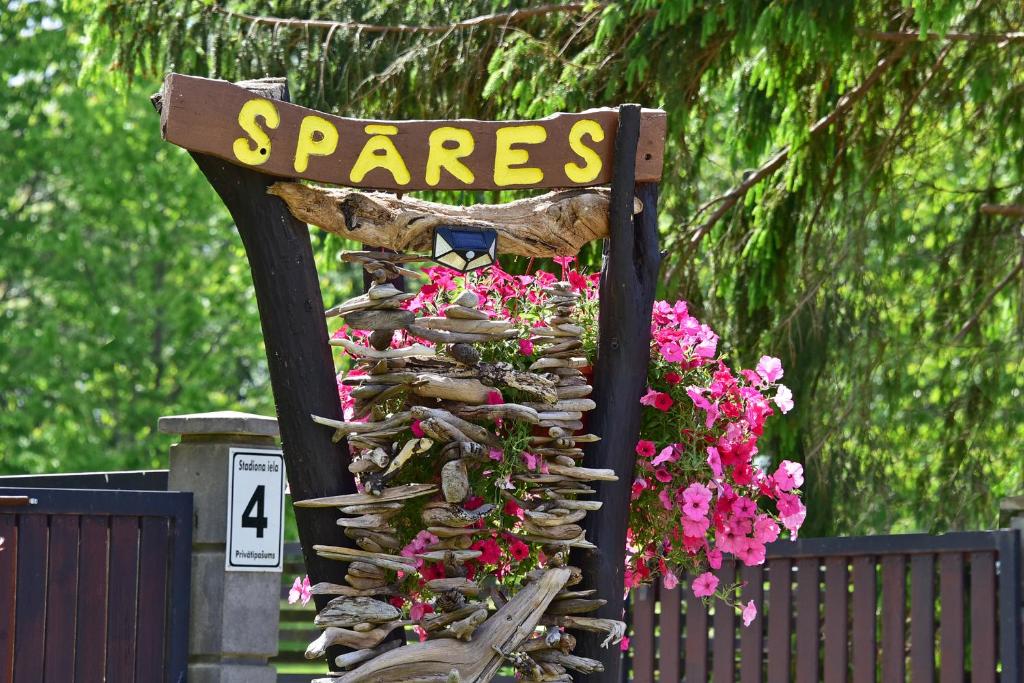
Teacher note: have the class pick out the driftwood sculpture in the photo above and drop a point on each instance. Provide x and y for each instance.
(554, 224)
(422, 483)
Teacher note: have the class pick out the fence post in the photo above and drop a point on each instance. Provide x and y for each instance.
(233, 622)
(1011, 516)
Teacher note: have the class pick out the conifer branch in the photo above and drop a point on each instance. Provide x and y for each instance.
(916, 36)
(728, 200)
(510, 17)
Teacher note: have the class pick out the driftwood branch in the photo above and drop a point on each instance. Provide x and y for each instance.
(727, 201)
(554, 224)
(478, 660)
(1012, 210)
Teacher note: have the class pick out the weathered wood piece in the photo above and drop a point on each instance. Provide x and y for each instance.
(564, 150)
(555, 224)
(387, 495)
(478, 660)
(628, 281)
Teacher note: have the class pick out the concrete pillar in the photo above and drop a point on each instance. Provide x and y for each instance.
(233, 622)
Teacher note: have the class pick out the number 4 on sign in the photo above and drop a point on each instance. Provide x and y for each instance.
(253, 517)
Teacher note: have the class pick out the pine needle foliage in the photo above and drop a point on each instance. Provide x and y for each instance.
(827, 167)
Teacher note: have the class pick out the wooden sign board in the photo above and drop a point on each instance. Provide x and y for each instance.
(282, 139)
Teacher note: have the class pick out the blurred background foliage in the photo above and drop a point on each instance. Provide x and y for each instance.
(827, 168)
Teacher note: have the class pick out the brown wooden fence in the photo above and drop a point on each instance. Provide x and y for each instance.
(884, 608)
(94, 585)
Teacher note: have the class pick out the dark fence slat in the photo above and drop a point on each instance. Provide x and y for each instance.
(696, 658)
(154, 556)
(8, 590)
(922, 618)
(643, 635)
(723, 655)
(864, 600)
(894, 607)
(1010, 626)
(983, 622)
(951, 626)
(836, 659)
(670, 637)
(61, 593)
(780, 611)
(90, 655)
(808, 637)
(752, 636)
(124, 573)
(29, 634)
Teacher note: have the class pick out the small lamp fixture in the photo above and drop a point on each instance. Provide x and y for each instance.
(464, 249)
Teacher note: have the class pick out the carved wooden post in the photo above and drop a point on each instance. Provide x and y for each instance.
(295, 334)
(628, 283)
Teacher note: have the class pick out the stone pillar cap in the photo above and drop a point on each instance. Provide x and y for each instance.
(220, 422)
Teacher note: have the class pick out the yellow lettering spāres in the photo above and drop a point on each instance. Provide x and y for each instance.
(255, 149)
(439, 156)
(317, 137)
(592, 166)
(508, 162)
(380, 152)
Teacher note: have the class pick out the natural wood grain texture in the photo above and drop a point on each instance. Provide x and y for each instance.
(8, 588)
(951, 625)
(922, 618)
(894, 600)
(91, 622)
(643, 634)
(723, 655)
(122, 599)
(554, 224)
(752, 636)
(61, 592)
(780, 620)
(837, 643)
(808, 640)
(983, 617)
(475, 660)
(670, 640)
(154, 554)
(202, 115)
(30, 621)
(628, 282)
(864, 600)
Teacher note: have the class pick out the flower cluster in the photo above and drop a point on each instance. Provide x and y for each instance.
(699, 491)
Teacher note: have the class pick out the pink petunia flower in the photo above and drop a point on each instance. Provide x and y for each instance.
(667, 454)
(645, 448)
(704, 586)
(672, 352)
(418, 610)
(416, 430)
(765, 529)
(789, 476)
(531, 460)
(715, 559)
(657, 399)
(695, 527)
(749, 613)
(519, 550)
(669, 580)
(300, 591)
(769, 368)
(489, 549)
(494, 398)
(715, 462)
(526, 347)
(496, 454)
(663, 475)
(784, 399)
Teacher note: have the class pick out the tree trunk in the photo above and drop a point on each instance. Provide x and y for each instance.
(628, 283)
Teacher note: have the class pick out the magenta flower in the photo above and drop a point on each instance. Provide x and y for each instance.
(715, 462)
(645, 448)
(668, 454)
(744, 508)
(765, 529)
(656, 399)
(519, 550)
(789, 476)
(666, 499)
(769, 368)
(662, 475)
(672, 352)
(749, 613)
(496, 454)
(704, 585)
(526, 347)
(695, 528)
(416, 430)
(300, 591)
(531, 460)
(715, 559)
(696, 499)
(669, 580)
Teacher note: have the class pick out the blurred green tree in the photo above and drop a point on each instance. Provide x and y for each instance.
(826, 198)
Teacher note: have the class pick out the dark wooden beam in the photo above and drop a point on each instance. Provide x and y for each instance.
(628, 283)
(302, 373)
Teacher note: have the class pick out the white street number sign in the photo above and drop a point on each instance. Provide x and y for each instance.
(255, 510)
